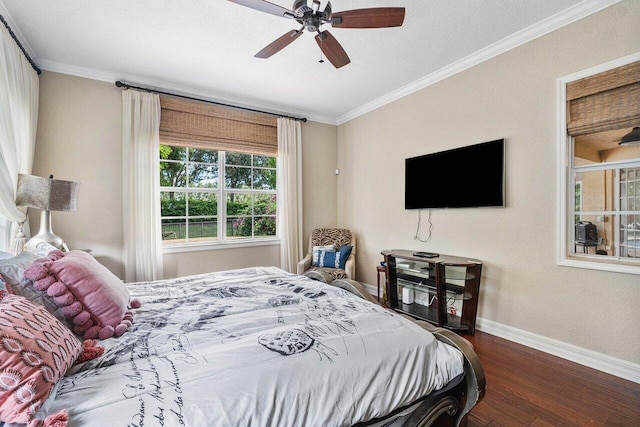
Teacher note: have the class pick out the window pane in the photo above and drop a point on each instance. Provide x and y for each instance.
(172, 174)
(203, 176)
(173, 229)
(593, 196)
(630, 236)
(168, 152)
(239, 204)
(623, 189)
(264, 179)
(191, 214)
(173, 204)
(602, 147)
(238, 159)
(203, 228)
(264, 226)
(264, 161)
(203, 156)
(239, 227)
(265, 204)
(202, 204)
(238, 177)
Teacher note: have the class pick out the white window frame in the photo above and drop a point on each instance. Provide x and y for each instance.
(222, 241)
(566, 184)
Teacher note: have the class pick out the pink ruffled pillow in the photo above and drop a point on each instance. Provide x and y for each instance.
(35, 352)
(88, 293)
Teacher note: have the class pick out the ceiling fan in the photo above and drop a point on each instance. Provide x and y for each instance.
(311, 19)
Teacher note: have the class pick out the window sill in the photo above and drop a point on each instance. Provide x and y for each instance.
(210, 246)
(595, 262)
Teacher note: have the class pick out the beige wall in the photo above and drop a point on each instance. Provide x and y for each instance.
(319, 189)
(512, 96)
(80, 138)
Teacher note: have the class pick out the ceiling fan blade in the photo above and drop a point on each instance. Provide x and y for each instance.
(379, 17)
(332, 49)
(279, 44)
(265, 6)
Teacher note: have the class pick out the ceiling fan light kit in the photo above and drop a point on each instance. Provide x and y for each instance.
(312, 18)
(632, 138)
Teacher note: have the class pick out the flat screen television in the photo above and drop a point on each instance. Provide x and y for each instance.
(471, 176)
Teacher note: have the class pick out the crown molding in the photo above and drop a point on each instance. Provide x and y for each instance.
(559, 20)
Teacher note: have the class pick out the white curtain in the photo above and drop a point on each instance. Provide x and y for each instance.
(290, 193)
(141, 186)
(19, 86)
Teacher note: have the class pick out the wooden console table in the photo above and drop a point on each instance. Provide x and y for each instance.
(438, 282)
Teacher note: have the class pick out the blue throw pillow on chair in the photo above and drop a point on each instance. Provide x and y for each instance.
(318, 249)
(334, 259)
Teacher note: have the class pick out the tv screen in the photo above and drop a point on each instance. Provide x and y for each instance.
(471, 176)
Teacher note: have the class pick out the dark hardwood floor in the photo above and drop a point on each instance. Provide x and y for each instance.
(526, 387)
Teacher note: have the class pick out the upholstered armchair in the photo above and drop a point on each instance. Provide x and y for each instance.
(321, 239)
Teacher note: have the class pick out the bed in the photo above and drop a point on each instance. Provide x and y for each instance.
(262, 347)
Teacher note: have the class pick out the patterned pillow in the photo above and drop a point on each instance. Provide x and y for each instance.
(35, 352)
(334, 259)
(317, 249)
(90, 295)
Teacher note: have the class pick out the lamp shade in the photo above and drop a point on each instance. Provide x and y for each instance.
(632, 138)
(47, 194)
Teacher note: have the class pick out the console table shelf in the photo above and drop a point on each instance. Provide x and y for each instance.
(434, 286)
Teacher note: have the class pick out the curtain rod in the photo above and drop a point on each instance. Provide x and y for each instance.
(26, 55)
(128, 86)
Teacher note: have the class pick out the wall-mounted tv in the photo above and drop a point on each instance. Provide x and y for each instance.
(471, 176)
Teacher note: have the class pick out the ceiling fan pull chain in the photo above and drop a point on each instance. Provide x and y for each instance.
(321, 60)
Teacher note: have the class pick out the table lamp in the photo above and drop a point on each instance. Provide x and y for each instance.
(47, 194)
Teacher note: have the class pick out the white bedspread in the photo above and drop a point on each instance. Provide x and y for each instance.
(255, 347)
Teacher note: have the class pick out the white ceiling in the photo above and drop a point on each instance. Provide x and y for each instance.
(206, 47)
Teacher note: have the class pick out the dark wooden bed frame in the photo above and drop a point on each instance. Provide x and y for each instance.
(446, 407)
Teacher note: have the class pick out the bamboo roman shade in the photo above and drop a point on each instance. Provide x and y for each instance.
(205, 126)
(604, 101)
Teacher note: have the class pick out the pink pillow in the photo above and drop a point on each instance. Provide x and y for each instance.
(35, 352)
(87, 292)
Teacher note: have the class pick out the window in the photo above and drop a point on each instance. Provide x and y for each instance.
(215, 196)
(607, 197)
(628, 239)
(217, 175)
(599, 180)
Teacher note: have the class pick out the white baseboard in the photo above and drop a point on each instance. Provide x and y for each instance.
(602, 362)
(592, 359)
